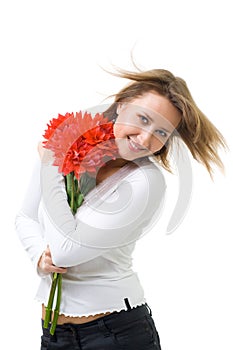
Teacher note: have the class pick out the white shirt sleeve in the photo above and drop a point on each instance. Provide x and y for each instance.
(104, 221)
(27, 223)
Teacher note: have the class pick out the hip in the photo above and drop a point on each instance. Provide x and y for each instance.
(132, 329)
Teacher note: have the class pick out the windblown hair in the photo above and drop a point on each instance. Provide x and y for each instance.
(199, 134)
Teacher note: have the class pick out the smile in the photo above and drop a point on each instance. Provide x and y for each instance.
(134, 147)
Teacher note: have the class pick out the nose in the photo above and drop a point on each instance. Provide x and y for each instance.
(144, 139)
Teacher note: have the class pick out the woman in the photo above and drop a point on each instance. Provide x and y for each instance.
(103, 304)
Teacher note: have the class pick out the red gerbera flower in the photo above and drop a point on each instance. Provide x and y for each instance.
(75, 137)
(54, 123)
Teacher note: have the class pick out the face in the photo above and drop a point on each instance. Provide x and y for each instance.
(144, 125)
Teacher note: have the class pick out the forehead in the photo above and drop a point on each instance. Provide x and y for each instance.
(157, 106)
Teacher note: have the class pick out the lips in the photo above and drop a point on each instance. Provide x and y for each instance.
(134, 147)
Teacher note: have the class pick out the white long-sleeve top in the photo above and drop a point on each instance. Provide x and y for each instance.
(96, 244)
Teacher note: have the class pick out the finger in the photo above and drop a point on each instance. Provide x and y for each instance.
(48, 260)
(53, 268)
(50, 268)
(48, 263)
(47, 251)
(58, 269)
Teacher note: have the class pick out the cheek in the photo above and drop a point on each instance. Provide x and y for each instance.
(117, 130)
(122, 130)
(156, 144)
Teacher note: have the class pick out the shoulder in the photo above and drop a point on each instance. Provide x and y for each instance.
(147, 173)
(145, 183)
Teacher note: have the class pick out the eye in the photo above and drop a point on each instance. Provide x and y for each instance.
(144, 119)
(161, 132)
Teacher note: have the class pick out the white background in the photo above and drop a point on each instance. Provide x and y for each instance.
(51, 53)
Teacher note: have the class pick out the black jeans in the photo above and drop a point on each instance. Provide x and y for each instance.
(130, 330)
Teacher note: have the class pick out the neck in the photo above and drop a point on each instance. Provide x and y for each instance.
(110, 168)
(117, 163)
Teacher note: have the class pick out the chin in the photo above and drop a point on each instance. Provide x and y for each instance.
(132, 157)
(129, 155)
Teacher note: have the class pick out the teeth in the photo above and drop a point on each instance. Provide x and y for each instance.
(134, 145)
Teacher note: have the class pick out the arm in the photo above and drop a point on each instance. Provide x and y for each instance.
(29, 228)
(27, 223)
(114, 220)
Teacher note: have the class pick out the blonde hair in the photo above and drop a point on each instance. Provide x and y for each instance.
(199, 134)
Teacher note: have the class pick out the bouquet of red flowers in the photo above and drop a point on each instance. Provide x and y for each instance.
(81, 144)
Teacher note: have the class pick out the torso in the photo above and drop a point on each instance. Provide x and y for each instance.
(103, 174)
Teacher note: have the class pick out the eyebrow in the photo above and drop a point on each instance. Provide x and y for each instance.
(162, 128)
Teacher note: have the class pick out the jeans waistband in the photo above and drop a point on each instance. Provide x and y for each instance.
(114, 319)
(123, 317)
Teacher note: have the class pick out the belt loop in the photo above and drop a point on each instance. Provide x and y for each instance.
(103, 328)
(149, 309)
(126, 300)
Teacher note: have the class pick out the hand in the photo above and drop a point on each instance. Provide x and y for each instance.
(46, 155)
(46, 265)
(40, 149)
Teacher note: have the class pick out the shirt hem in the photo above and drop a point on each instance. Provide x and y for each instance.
(115, 309)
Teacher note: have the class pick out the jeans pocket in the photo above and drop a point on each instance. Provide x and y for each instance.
(154, 332)
(45, 342)
(135, 335)
(45, 339)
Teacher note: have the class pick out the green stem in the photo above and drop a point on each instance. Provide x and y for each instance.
(48, 308)
(75, 199)
(57, 307)
(70, 189)
(80, 198)
(72, 195)
(69, 185)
